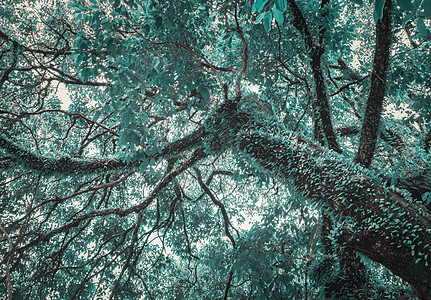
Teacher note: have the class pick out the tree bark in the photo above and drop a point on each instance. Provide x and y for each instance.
(371, 122)
(324, 132)
(323, 129)
(376, 222)
(370, 218)
(71, 165)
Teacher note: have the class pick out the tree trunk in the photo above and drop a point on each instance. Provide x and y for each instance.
(375, 221)
(323, 129)
(371, 219)
(371, 123)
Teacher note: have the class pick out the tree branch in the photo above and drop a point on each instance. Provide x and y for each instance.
(219, 204)
(71, 165)
(197, 155)
(384, 222)
(323, 129)
(371, 121)
(228, 285)
(12, 67)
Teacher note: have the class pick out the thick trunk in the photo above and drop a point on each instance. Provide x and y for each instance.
(376, 222)
(371, 219)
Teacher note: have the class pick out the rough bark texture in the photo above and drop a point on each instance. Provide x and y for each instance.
(370, 218)
(71, 165)
(377, 222)
(324, 132)
(373, 112)
(385, 226)
(323, 129)
(321, 106)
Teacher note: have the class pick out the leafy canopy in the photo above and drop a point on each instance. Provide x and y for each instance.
(173, 167)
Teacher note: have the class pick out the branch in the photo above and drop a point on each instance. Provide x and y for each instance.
(427, 141)
(340, 89)
(197, 155)
(219, 204)
(26, 114)
(373, 112)
(55, 53)
(228, 285)
(11, 68)
(385, 223)
(300, 24)
(392, 138)
(245, 53)
(71, 165)
(323, 129)
(348, 131)
(64, 165)
(350, 102)
(189, 248)
(8, 280)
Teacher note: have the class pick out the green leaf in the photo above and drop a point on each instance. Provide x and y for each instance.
(416, 5)
(85, 75)
(278, 15)
(134, 138)
(204, 92)
(143, 117)
(258, 5)
(406, 18)
(156, 64)
(281, 5)
(159, 22)
(123, 77)
(426, 197)
(267, 18)
(96, 115)
(123, 139)
(405, 5)
(423, 31)
(125, 117)
(427, 8)
(259, 18)
(378, 9)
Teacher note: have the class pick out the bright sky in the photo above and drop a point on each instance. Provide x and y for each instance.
(63, 95)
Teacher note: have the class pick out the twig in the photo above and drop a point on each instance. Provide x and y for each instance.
(219, 204)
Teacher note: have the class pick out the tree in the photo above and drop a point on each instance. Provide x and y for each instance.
(185, 165)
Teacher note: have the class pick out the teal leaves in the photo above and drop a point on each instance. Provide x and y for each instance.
(416, 7)
(405, 5)
(378, 9)
(420, 11)
(427, 8)
(422, 28)
(164, 64)
(266, 21)
(130, 139)
(278, 15)
(426, 197)
(259, 5)
(281, 5)
(268, 13)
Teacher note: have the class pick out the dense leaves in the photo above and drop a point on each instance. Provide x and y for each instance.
(193, 149)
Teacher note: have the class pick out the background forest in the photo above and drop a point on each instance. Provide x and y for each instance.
(197, 149)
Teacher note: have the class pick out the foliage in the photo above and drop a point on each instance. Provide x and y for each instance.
(195, 149)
